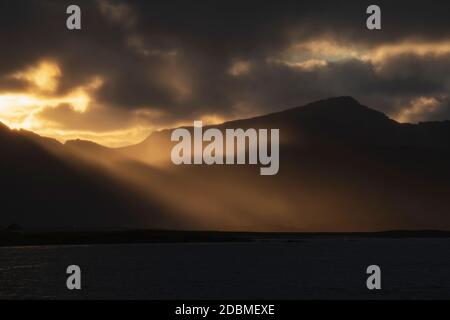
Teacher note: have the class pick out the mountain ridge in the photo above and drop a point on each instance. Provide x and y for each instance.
(334, 110)
(356, 170)
(329, 121)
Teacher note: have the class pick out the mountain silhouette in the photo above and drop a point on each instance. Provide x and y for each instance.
(45, 185)
(343, 167)
(331, 122)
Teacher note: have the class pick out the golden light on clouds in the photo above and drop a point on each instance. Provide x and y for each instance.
(317, 53)
(323, 49)
(308, 65)
(21, 110)
(17, 110)
(45, 76)
(27, 111)
(74, 115)
(413, 47)
(41, 107)
(414, 111)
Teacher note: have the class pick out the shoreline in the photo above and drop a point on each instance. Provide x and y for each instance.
(10, 239)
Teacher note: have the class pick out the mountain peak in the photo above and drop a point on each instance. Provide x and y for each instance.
(341, 109)
(340, 100)
(341, 103)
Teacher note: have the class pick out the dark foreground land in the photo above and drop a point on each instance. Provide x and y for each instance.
(18, 238)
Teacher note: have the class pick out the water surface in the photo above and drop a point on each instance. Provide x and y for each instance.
(301, 269)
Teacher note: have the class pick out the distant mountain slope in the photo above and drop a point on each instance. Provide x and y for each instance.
(343, 167)
(44, 185)
(333, 121)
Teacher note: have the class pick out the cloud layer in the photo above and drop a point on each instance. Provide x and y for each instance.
(137, 65)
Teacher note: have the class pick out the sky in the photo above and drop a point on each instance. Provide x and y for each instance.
(139, 66)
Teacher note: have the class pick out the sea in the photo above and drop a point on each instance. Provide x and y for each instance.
(316, 268)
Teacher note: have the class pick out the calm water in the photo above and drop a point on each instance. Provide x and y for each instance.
(313, 268)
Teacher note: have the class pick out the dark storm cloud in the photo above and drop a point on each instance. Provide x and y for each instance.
(176, 56)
